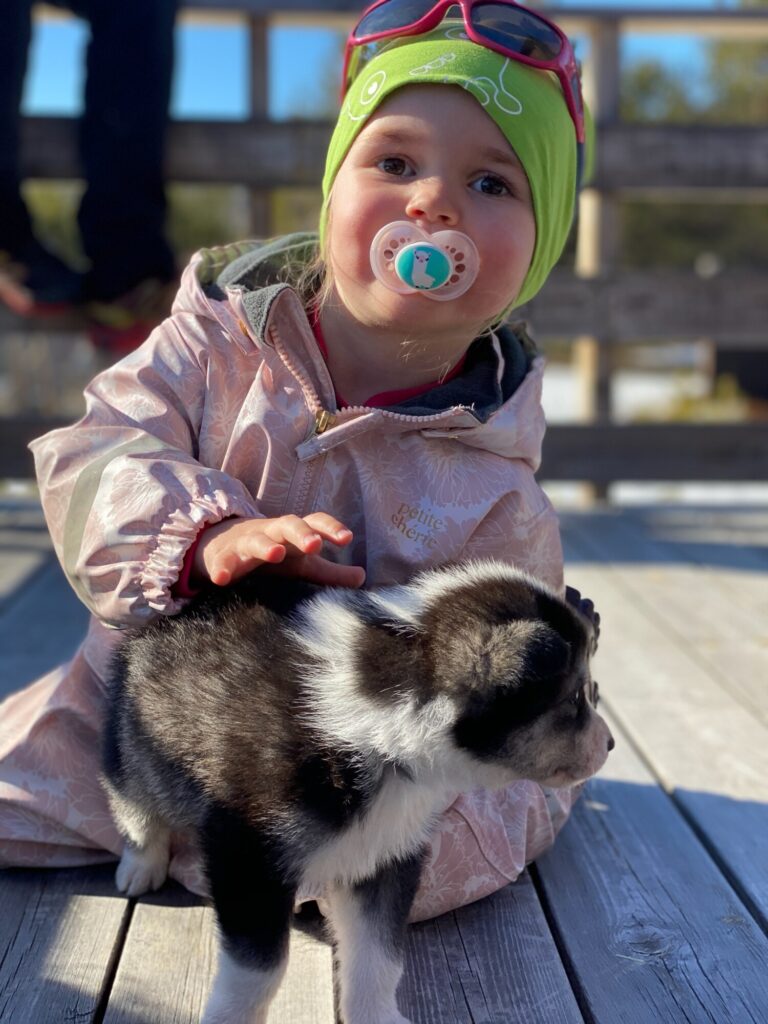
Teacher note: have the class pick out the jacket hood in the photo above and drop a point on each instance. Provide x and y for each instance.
(494, 404)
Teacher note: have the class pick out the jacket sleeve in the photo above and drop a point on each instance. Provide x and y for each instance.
(522, 529)
(123, 490)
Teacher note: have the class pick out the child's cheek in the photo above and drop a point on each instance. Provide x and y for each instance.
(347, 247)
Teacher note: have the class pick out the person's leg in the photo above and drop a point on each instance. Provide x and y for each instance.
(31, 278)
(15, 225)
(129, 72)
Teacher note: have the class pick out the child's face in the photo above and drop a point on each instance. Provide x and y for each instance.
(430, 154)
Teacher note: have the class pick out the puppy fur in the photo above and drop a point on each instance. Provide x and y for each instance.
(315, 735)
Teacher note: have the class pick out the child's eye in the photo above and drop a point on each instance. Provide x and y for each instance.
(393, 165)
(491, 185)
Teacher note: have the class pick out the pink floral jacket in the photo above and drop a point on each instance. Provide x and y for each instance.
(228, 410)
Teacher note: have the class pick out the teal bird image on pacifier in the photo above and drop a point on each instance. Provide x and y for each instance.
(422, 266)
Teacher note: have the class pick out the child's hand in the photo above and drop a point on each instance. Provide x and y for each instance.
(235, 547)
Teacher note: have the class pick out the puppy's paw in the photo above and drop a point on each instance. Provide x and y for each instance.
(141, 871)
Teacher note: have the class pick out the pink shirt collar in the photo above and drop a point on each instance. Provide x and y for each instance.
(382, 398)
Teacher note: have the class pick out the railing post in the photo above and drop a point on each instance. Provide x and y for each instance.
(260, 198)
(598, 242)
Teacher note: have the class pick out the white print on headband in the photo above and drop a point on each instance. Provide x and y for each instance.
(484, 99)
(434, 65)
(367, 94)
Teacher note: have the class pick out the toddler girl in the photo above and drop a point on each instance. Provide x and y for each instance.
(315, 409)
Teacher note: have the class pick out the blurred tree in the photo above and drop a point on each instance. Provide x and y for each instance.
(733, 89)
(295, 209)
(206, 215)
(739, 71)
(651, 91)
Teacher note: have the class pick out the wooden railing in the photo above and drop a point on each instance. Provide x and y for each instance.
(598, 306)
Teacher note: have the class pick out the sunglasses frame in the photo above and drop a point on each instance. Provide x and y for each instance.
(564, 65)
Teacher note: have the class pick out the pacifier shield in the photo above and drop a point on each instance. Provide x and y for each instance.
(439, 266)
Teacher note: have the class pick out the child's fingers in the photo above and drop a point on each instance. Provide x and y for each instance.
(319, 570)
(329, 527)
(232, 563)
(295, 532)
(236, 547)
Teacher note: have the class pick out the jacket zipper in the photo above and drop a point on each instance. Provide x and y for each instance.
(324, 418)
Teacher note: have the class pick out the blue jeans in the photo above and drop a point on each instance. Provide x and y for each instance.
(121, 136)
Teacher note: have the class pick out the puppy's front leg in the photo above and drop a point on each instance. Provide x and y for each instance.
(253, 904)
(369, 920)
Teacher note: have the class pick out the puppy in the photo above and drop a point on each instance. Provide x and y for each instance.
(315, 735)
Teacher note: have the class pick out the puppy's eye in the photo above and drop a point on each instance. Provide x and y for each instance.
(577, 700)
(594, 696)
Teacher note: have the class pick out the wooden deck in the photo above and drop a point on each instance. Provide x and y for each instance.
(651, 908)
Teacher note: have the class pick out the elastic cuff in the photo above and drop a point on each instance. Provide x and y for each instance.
(163, 568)
(182, 589)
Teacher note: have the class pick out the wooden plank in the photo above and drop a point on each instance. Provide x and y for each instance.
(58, 933)
(731, 308)
(720, 536)
(600, 452)
(494, 960)
(655, 451)
(25, 546)
(696, 604)
(708, 750)
(652, 931)
(652, 305)
(681, 157)
(15, 434)
(258, 153)
(264, 154)
(306, 995)
(40, 629)
(169, 960)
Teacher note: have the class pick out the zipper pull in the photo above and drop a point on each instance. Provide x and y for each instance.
(324, 420)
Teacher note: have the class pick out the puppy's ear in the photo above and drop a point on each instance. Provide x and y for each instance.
(514, 699)
(546, 656)
(586, 608)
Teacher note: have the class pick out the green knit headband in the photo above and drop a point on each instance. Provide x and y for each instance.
(526, 104)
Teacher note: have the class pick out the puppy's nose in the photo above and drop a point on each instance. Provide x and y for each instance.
(611, 743)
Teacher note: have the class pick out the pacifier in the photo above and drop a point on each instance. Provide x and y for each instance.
(439, 266)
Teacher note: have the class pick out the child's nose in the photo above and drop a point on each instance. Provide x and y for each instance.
(431, 201)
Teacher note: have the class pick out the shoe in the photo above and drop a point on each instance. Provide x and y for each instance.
(120, 325)
(35, 282)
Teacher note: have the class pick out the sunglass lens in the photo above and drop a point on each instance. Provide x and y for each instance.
(517, 30)
(397, 14)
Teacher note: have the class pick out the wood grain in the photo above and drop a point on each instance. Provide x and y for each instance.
(652, 930)
(58, 933)
(169, 961)
(700, 606)
(707, 748)
(40, 629)
(494, 962)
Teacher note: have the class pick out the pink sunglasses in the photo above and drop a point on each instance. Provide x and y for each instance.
(501, 25)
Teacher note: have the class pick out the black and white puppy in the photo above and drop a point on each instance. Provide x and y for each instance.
(315, 735)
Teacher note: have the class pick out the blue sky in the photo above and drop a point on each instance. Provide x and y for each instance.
(212, 61)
